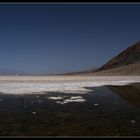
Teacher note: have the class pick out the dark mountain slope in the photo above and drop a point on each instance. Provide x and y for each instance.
(129, 56)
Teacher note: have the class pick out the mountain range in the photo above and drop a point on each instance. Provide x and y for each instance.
(125, 63)
(12, 72)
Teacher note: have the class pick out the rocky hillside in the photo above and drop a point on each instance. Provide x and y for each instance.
(129, 56)
(131, 69)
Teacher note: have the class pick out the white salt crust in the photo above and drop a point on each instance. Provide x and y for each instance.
(66, 84)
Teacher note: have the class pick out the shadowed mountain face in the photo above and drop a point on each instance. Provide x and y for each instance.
(129, 56)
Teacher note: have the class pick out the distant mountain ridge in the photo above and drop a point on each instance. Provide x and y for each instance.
(12, 72)
(81, 72)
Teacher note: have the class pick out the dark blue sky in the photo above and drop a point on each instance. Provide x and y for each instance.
(57, 38)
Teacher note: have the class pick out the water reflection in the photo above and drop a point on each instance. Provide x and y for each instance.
(130, 93)
(106, 111)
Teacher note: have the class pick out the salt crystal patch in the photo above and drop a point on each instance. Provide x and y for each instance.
(133, 121)
(78, 100)
(34, 113)
(96, 104)
(55, 98)
(64, 101)
(75, 97)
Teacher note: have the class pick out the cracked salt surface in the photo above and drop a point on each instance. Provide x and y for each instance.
(65, 86)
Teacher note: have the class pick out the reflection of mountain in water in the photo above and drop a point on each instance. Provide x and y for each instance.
(130, 93)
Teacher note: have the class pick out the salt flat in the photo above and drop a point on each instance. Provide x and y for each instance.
(65, 78)
(66, 84)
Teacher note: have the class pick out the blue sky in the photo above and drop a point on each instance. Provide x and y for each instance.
(57, 38)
